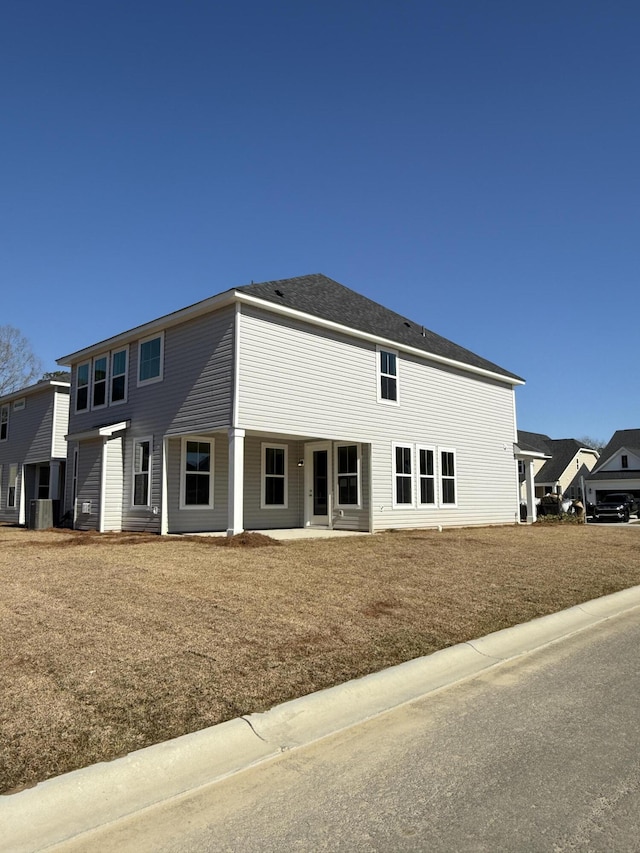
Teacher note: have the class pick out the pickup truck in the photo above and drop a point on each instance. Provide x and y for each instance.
(617, 506)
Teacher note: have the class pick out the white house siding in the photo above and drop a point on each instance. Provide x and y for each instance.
(297, 379)
(89, 475)
(60, 423)
(113, 479)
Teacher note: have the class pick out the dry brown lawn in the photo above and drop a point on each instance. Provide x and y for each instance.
(111, 643)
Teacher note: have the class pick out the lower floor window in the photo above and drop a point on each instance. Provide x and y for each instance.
(44, 478)
(13, 486)
(448, 476)
(348, 492)
(274, 476)
(197, 473)
(141, 472)
(403, 475)
(427, 475)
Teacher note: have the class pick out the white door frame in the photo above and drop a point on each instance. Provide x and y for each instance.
(310, 519)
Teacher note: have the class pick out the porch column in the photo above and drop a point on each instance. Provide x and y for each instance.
(164, 488)
(531, 492)
(235, 521)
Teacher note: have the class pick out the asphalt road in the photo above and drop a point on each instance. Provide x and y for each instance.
(538, 754)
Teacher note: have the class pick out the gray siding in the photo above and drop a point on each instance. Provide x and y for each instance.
(198, 520)
(296, 379)
(256, 518)
(89, 471)
(31, 440)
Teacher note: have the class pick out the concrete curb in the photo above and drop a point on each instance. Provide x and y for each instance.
(69, 805)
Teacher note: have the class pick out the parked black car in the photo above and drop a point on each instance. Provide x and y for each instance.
(617, 506)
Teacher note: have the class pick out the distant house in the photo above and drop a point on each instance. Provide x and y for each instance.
(33, 451)
(559, 466)
(291, 403)
(618, 469)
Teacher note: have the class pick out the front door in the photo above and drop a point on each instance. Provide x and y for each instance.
(317, 466)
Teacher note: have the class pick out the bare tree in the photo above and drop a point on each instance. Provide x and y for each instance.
(18, 365)
(594, 443)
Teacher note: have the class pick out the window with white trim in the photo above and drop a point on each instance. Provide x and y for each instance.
(19, 404)
(403, 475)
(82, 387)
(4, 422)
(427, 476)
(142, 472)
(274, 476)
(347, 475)
(448, 477)
(197, 473)
(119, 366)
(387, 376)
(1, 472)
(99, 396)
(150, 359)
(12, 486)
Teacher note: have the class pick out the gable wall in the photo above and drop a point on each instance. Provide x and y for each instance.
(295, 378)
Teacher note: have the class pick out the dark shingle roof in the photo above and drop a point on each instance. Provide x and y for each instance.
(534, 441)
(629, 438)
(562, 452)
(326, 299)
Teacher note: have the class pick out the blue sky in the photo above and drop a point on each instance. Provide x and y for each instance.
(472, 165)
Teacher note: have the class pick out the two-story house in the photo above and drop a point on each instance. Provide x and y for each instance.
(560, 466)
(618, 469)
(33, 451)
(292, 403)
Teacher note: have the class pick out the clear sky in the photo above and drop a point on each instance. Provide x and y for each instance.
(472, 164)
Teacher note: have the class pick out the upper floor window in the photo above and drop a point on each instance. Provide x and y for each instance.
(347, 468)
(427, 475)
(99, 382)
(387, 376)
(150, 359)
(403, 475)
(82, 387)
(19, 405)
(624, 461)
(274, 476)
(141, 472)
(4, 422)
(119, 360)
(448, 477)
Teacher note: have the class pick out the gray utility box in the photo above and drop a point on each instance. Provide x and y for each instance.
(43, 514)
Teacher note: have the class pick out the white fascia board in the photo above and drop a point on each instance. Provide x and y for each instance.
(366, 336)
(98, 432)
(528, 454)
(157, 325)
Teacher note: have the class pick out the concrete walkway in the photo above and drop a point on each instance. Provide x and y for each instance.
(65, 807)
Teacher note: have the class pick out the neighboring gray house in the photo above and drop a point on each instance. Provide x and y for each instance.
(618, 469)
(560, 466)
(288, 404)
(33, 451)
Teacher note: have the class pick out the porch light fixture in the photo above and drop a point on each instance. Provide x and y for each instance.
(300, 463)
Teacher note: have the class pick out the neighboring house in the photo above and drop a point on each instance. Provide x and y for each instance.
(618, 469)
(288, 404)
(560, 465)
(33, 451)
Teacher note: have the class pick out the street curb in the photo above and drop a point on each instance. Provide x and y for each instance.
(62, 808)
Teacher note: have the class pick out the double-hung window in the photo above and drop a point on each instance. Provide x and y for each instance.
(448, 477)
(197, 473)
(347, 468)
(99, 398)
(119, 376)
(387, 376)
(403, 475)
(4, 422)
(82, 387)
(12, 486)
(274, 476)
(427, 476)
(150, 359)
(142, 472)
